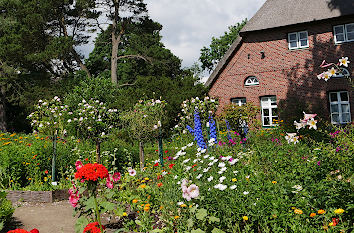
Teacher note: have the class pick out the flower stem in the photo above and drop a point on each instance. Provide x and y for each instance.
(97, 212)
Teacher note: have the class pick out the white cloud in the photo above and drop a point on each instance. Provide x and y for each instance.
(188, 25)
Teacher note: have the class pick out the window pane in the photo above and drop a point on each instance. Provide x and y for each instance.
(344, 96)
(350, 27)
(266, 121)
(265, 112)
(334, 97)
(339, 29)
(340, 38)
(346, 117)
(273, 99)
(274, 120)
(350, 36)
(345, 108)
(293, 44)
(274, 112)
(303, 35)
(335, 118)
(334, 108)
(292, 37)
(264, 100)
(303, 43)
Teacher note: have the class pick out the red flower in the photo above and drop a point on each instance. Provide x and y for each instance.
(156, 164)
(23, 231)
(86, 159)
(46, 171)
(159, 177)
(93, 227)
(335, 221)
(166, 151)
(194, 165)
(171, 165)
(91, 172)
(159, 185)
(156, 150)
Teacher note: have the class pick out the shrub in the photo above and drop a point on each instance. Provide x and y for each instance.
(6, 209)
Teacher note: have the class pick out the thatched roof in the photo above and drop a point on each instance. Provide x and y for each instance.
(279, 13)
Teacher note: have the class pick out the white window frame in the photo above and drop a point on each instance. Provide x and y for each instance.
(251, 81)
(298, 40)
(266, 103)
(345, 73)
(339, 102)
(239, 101)
(345, 33)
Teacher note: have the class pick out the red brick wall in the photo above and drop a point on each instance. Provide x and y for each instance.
(288, 74)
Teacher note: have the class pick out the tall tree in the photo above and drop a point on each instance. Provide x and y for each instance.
(121, 13)
(141, 39)
(210, 56)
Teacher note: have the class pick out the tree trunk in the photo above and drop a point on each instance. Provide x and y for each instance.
(115, 42)
(141, 155)
(98, 151)
(3, 125)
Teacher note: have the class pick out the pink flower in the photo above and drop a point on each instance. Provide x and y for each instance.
(308, 117)
(116, 176)
(193, 191)
(74, 196)
(131, 171)
(78, 165)
(109, 182)
(189, 192)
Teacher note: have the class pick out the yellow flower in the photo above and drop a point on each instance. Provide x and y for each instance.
(234, 180)
(146, 208)
(161, 207)
(147, 205)
(135, 201)
(298, 211)
(124, 214)
(321, 211)
(274, 182)
(312, 215)
(176, 217)
(183, 205)
(143, 186)
(29, 178)
(293, 208)
(6, 143)
(12, 134)
(146, 178)
(245, 218)
(45, 178)
(330, 224)
(339, 211)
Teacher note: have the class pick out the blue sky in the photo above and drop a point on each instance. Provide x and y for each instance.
(188, 25)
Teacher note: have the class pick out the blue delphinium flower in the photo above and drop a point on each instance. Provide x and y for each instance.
(212, 126)
(228, 130)
(198, 133)
(190, 129)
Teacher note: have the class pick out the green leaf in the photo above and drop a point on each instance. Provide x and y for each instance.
(198, 231)
(217, 230)
(90, 203)
(190, 223)
(80, 224)
(213, 219)
(193, 209)
(107, 206)
(201, 214)
(138, 222)
(155, 230)
(1, 225)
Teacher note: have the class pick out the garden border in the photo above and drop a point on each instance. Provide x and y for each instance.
(37, 196)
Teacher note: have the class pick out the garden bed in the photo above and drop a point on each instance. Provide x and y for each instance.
(38, 196)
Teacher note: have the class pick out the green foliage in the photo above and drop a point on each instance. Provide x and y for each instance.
(140, 38)
(235, 115)
(210, 56)
(145, 119)
(6, 209)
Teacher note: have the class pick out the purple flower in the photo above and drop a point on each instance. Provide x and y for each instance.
(319, 163)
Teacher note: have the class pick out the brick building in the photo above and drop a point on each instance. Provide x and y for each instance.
(275, 61)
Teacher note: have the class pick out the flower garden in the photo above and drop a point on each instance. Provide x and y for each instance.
(210, 173)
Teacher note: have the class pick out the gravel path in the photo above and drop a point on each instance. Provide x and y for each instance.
(54, 217)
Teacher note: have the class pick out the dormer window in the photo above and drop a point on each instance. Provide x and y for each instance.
(251, 81)
(343, 33)
(298, 40)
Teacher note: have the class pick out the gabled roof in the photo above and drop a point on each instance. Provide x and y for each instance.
(279, 13)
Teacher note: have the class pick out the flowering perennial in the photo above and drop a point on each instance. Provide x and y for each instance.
(198, 133)
(212, 129)
(93, 227)
(91, 172)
